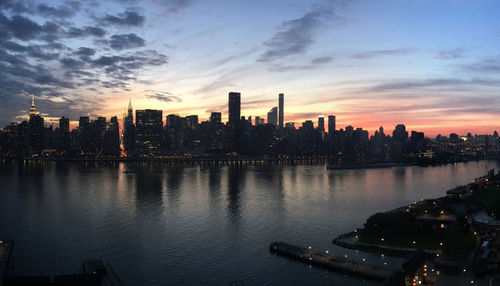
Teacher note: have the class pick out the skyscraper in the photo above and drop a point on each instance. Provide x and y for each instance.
(272, 116)
(129, 131)
(215, 117)
(321, 123)
(234, 108)
(331, 124)
(281, 105)
(149, 127)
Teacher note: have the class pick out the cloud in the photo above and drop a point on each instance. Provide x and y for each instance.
(126, 41)
(382, 53)
(61, 12)
(490, 65)
(321, 60)
(85, 31)
(451, 54)
(164, 96)
(174, 6)
(294, 36)
(128, 18)
(313, 64)
(442, 83)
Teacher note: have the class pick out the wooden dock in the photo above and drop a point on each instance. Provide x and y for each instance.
(330, 262)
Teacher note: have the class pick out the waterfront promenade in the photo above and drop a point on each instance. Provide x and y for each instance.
(331, 262)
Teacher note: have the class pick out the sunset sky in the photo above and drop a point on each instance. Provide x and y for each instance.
(432, 65)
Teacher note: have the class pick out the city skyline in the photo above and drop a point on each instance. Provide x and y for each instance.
(347, 58)
(318, 123)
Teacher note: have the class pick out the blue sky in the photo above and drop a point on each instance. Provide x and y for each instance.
(433, 65)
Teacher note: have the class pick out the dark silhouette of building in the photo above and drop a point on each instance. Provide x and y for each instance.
(111, 146)
(149, 127)
(234, 108)
(331, 124)
(281, 105)
(272, 116)
(321, 123)
(129, 137)
(64, 139)
(215, 117)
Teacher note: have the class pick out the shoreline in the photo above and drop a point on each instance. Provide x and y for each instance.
(351, 240)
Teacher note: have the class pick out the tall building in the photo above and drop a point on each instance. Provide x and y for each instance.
(234, 108)
(149, 127)
(83, 122)
(111, 146)
(259, 121)
(272, 116)
(331, 124)
(400, 134)
(192, 121)
(64, 139)
(129, 131)
(321, 123)
(281, 105)
(215, 117)
(33, 111)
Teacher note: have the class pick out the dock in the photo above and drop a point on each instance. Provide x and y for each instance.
(5, 252)
(332, 263)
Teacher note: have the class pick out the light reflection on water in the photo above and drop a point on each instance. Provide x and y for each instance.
(177, 225)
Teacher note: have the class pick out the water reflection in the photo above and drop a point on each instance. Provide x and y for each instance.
(235, 184)
(148, 192)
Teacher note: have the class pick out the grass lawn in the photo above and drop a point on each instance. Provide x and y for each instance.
(485, 197)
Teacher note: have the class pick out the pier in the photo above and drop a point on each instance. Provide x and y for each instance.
(332, 263)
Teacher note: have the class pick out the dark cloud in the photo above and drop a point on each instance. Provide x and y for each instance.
(382, 53)
(61, 12)
(451, 54)
(295, 36)
(84, 51)
(85, 32)
(128, 18)
(126, 41)
(164, 96)
(23, 28)
(42, 52)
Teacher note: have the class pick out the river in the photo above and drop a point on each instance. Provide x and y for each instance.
(198, 225)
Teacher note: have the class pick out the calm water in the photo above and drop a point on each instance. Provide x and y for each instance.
(201, 225)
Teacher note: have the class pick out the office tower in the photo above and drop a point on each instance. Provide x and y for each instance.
(234, 108)
(400, 134)
(192, 121)
(129, 131)
(308, 124)
(64, 139)
(111, 145)
(64, 125)
(36, 129)
(290, 125)
(215, 117)
(259, 121)
(272, 116)
(83, 122)
(149, 127)
(321, 123)
(281, 105)
(33, 111)
(331, 124)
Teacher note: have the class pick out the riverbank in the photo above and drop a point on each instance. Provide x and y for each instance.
(455, 228)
